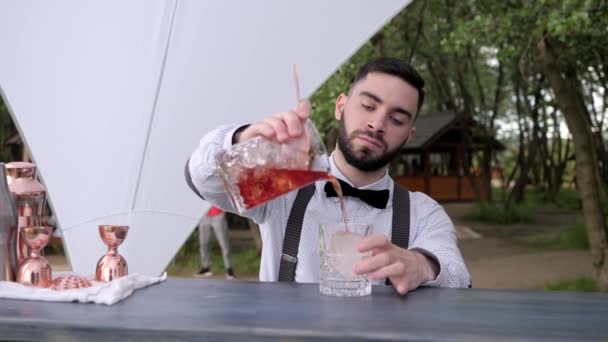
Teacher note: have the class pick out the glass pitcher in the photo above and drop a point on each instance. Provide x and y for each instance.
(259, 170)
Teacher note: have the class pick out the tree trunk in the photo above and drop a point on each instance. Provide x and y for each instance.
(467, 165)
(566, 87)
(488, 151)
(486, 168)
(517, 192)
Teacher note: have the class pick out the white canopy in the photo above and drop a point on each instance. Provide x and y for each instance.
(111, 97)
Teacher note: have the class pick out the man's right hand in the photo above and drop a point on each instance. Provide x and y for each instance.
(281, 126)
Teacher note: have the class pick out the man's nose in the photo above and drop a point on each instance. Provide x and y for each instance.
(376, 124)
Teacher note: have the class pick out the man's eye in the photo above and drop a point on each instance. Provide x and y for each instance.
(367, 107)
(396, 121)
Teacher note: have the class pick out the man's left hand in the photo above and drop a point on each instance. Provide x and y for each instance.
(406, 269)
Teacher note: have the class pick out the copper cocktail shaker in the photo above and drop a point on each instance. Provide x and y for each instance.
(29, 196)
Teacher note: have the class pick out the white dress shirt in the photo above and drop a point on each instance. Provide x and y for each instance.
(431, 230)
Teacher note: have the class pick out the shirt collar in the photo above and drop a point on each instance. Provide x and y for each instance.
(386, 182)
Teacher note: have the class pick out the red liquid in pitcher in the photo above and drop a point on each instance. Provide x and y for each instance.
(258, 186)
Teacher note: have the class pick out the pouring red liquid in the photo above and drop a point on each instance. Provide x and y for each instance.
(258, 186)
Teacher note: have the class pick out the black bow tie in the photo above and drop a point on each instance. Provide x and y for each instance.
(375, 198)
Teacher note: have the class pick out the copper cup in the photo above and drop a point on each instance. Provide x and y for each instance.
(35, 270)
(112, 265)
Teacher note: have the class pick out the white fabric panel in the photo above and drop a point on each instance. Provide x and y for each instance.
(111, 123)
(80, 79)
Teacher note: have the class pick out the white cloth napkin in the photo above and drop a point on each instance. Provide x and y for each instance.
(99, 293)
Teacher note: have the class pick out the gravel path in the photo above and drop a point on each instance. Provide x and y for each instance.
(496, 261)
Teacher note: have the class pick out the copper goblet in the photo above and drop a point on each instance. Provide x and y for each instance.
(112, 265)
(35, 270)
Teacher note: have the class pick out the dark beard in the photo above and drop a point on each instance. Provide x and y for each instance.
(367, 162)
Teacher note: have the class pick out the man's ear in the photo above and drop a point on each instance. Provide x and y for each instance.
(340, 103)
(411, 135)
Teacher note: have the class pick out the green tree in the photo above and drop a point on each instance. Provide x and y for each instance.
(563, 42)
(7, 131)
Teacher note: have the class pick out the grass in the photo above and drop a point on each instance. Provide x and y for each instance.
(573, 237)
(245, 260)
(582, 284)
(534, 200)
(566, 198)
(498, 213)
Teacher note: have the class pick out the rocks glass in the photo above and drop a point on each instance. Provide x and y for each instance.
(112, 265)
(338, 257)
(35, 270)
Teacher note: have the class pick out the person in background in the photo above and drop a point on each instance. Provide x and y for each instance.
(215, 220)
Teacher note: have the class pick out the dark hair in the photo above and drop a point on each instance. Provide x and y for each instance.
(395, 67)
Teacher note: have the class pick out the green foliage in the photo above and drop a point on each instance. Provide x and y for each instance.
(7, 130)
(535, 200)
(567, 199)
(517, 27)
(498, 213)
(415, 35)
(582, 284)
(569, 238)
(54, 249)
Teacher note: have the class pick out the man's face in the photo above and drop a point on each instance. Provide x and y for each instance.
(375, 120)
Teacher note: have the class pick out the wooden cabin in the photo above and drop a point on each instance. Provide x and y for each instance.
(432, 162)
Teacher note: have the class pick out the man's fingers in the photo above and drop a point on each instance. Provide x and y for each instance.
(303, 109)
(401, 288)
(292, 123)
(257, 129)
(279, 127)
(392, 270)
(397, 273)
(373, 264)
(264, 129)
(374, 241)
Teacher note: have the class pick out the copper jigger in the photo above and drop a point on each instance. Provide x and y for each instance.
(35, 270)
(112, 265)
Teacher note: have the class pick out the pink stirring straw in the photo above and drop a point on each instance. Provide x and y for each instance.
(296, 81)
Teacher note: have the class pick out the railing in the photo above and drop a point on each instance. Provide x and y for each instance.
(444, 188)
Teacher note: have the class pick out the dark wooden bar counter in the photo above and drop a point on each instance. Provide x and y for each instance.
(192, 309)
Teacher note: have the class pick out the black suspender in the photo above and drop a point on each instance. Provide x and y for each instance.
(291, 241)
(400, 235)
